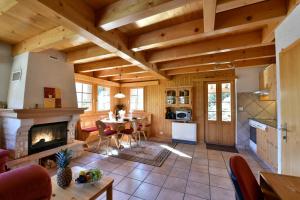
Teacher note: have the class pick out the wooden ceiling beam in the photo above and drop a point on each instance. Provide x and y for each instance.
(118, 71)
(212, 67)
(224, 5)
(209, 14)
(43, 41)
(125, 12)
(221, 44)
(257, 52)
(140, 84)
(102, 65)
(88, 54)
(132, 76)
(89, 79)
(77, 16)
(246, 18)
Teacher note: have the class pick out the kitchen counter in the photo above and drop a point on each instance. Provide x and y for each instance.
(268, 122)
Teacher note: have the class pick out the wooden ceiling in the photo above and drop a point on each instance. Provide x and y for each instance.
(146, 40)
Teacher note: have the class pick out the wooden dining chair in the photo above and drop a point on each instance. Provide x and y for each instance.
(130, 130)
(245, 184)
(105, 134)
(142, 127)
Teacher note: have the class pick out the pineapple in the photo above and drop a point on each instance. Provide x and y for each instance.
(64, 172)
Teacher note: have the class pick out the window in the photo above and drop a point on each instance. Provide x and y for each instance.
(136, 99)
(212, 102)
(226, 102)
(103, 98)
(84, 95)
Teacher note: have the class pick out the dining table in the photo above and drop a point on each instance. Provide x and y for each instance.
(116, 124)
(282, 186)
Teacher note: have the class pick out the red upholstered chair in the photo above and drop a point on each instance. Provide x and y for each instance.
(244, 181)
(26, 183)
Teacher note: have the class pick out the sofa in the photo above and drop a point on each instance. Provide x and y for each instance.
(26, 183)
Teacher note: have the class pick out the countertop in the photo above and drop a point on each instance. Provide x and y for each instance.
(268, 122)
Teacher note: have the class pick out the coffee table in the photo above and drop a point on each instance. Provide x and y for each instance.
(87, 191)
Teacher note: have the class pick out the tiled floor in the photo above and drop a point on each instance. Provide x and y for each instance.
(196, 175)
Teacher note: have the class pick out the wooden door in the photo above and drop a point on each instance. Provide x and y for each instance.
(219, 113)
(290, 109)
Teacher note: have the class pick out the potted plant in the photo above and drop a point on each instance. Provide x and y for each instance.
(64, 172)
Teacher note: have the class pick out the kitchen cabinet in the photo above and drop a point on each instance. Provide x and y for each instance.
(267, 82)
(179, 97)
(266, 141)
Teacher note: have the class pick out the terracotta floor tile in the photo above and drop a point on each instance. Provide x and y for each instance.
(166, 194)
(198, 189)
(191, 197)
(104, 165)
(128, 185)
(197, 161)
(123, 170)
(217, 163)
(179, 173)
(117, 195)
(218, 172)
(199, 177)
(156, 179)
(221, 182)
(145, 167)
(176, 184)
(117, 178)
(147, 191)
(221, 194)
(199, 168)
(182, 164)
(138, 174)
(135, 198)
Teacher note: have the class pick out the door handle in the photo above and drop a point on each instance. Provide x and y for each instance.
(284, 131)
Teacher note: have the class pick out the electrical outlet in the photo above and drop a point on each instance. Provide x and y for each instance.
(161, 132)
(241, 108)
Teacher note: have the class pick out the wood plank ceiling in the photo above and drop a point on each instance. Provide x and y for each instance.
(146, 40)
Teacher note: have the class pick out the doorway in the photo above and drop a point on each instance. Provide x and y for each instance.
(220, 112)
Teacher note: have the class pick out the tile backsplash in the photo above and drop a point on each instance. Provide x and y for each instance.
(249, 106)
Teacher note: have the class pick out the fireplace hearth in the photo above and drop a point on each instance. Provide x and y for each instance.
(47, 136)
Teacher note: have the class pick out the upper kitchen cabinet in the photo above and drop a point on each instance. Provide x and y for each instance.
(179, 96)
(267, 83)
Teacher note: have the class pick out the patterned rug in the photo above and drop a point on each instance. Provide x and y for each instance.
(149, 152)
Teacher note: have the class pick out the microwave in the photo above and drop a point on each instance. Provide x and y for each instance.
(184, 115)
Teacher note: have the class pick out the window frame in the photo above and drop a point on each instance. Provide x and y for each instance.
(97, 96)
(92, 94)
(137, 104)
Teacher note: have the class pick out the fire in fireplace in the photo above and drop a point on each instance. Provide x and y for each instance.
(47, 136)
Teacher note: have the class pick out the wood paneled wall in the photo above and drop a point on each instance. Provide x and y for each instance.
(155, 101)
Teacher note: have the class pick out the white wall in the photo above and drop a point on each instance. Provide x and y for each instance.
(39, 70)
(44, 71)
(5, 69)
(286, 34)
(248, 79)
(16, 90)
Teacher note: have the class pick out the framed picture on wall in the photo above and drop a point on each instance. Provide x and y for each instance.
(52, 97)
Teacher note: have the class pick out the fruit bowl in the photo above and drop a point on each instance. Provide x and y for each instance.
(89, 176)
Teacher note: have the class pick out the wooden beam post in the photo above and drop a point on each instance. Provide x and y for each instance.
(209, 14)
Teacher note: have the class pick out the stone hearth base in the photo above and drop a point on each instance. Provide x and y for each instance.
(76, 147)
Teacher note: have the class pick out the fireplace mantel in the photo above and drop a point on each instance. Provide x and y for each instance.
(39, 112)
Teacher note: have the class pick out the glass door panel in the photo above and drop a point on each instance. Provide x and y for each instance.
(171, 97)
(212, 102)
(226, 102)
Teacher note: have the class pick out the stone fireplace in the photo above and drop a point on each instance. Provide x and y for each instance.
(27, 132)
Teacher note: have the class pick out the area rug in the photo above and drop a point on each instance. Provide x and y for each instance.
(149, 152)
(221, 148)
